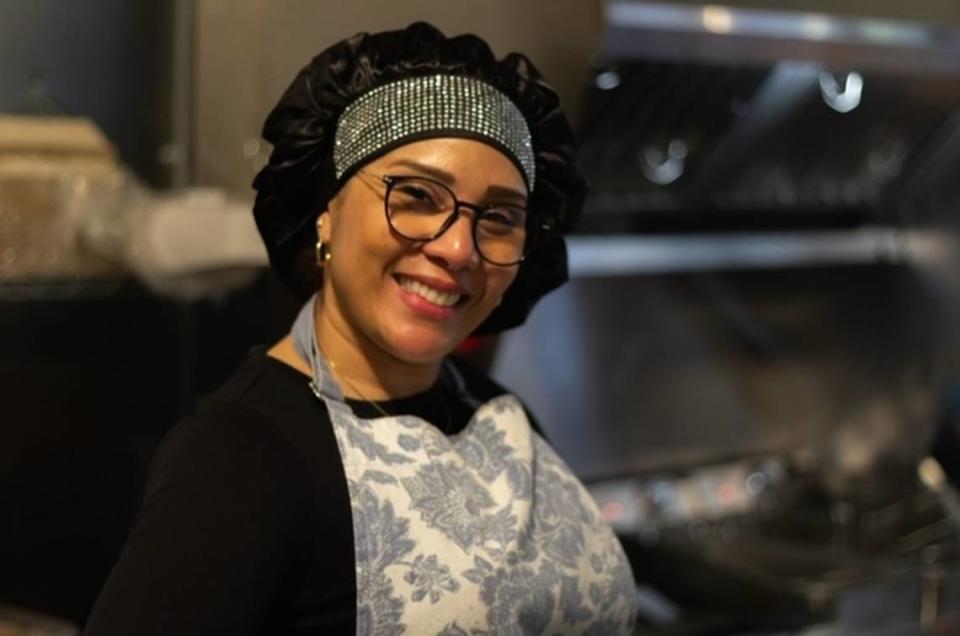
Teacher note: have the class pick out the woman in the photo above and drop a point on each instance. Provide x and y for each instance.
(352, 478)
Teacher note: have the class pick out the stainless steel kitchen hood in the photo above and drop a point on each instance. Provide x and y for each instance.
(713, 33)
(711, 119)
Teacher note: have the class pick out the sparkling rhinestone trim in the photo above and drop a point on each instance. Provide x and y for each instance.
(417, 105)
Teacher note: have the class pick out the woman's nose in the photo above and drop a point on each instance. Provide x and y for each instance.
(455, 246)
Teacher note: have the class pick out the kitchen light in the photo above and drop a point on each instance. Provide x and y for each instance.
(841, 100)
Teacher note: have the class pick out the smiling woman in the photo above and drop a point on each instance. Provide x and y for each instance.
(397, 303)
(353, 478)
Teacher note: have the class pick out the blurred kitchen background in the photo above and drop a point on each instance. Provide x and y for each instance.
(756, 366)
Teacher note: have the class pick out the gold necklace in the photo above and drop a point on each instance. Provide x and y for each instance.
(333, 367)
(350, 385)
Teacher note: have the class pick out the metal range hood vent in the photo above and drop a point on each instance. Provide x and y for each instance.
(710, 118)
(714, 33)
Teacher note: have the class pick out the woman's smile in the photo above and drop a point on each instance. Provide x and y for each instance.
(437, 294)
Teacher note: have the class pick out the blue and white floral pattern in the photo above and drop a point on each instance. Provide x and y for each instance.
(480, 534)
(385, 541)
(430, 577)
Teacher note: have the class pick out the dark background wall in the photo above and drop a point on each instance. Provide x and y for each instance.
(109, 60)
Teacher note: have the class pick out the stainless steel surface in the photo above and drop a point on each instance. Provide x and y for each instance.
(789, 556)
(680, 136)
(625, 255)
(718, 32)
(843, 366)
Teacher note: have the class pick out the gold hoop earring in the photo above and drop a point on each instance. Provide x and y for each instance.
(322, 255)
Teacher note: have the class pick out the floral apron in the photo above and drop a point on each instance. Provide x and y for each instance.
(486, 532)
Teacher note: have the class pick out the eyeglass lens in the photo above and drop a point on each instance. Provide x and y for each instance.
(419, 208)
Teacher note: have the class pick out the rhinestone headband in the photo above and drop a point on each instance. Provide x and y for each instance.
(410, 107)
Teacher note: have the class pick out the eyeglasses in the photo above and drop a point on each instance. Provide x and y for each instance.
(422, 209)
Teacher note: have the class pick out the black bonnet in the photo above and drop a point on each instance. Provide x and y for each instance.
(299, 179)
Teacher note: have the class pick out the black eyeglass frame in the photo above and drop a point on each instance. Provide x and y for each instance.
(530, 240)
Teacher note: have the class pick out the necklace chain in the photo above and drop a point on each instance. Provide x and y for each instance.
(352, 387)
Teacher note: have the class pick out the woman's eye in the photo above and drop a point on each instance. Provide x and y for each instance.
(415, 192)
(504, 217)
(415, 195)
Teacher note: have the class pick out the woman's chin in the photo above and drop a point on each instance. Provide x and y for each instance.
(418, 346)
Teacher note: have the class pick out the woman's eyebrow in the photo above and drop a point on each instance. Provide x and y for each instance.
(498, 192)
(428, 170)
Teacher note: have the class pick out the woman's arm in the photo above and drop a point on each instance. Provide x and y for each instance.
(218, 546)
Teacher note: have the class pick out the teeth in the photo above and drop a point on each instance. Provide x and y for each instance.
(429, 294)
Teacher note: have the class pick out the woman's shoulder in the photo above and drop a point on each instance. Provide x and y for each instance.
(265, 411)
(263, 386)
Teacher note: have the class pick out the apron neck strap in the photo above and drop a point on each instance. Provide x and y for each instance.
(304, 334)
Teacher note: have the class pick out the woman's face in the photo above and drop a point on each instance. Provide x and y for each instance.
(415, 300)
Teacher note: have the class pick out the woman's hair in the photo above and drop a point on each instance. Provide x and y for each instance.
(301, 176)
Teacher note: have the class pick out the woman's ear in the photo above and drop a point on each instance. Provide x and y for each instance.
(324, 224)
(333, 210)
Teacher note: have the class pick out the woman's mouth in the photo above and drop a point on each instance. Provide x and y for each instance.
(430, 294)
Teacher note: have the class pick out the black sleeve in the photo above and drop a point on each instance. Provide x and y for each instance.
(219, 539)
